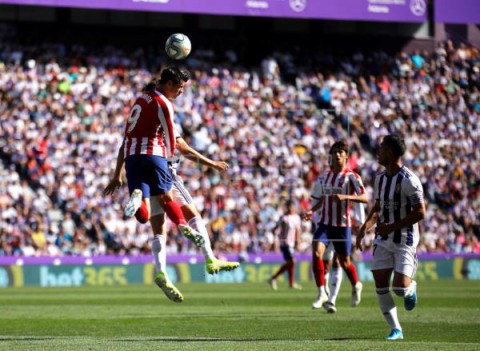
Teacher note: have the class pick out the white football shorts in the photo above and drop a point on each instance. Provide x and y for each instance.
(401, 257)
(181, 196)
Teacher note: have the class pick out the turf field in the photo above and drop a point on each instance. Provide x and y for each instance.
(232, 317)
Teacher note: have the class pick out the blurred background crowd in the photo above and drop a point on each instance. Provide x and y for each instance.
(62, 114)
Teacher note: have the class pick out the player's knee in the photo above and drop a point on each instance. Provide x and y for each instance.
(166, 197)
(344, 261)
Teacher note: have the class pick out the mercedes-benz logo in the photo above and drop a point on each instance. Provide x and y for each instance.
(418, 7)
(298, 5)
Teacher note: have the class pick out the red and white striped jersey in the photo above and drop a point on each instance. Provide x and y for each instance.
(150, 128)
(336, 213)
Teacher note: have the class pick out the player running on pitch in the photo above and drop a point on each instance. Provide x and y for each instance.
(333, 193)
(399, 206)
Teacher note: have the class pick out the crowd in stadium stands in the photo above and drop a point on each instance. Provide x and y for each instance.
(62, 113)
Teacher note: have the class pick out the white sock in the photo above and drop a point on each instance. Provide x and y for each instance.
(404, 292)
(388, 308)
(327, 280)
(159, 252)
(321, 290)
(336, 277)
(198, 224)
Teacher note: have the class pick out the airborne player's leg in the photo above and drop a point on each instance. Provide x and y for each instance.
(182, 198)
(212, 264)
(159, 253)
(154, 172)
(138, 204)
(133, 204)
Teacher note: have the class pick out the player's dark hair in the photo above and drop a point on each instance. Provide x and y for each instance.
(395, 143)
(150, 87)
(341, 144)
(174, 74)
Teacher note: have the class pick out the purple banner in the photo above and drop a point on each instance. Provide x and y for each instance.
(457, 11)
(367, 10)
(186, 258)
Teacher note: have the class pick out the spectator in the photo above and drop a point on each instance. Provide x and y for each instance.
(57, 104)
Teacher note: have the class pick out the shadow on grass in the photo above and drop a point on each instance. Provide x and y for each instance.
(233, 340)
(25, 338)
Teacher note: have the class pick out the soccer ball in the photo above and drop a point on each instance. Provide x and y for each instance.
(178, 46)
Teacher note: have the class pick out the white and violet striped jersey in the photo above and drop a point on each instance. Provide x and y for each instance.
(397, 195)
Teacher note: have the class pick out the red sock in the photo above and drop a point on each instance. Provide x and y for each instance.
(174, 212)
(291, 274)
(282, 269)
(318, 271)
(352, 274)
(142, 214)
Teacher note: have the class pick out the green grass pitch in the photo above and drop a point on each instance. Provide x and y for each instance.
(232, 317)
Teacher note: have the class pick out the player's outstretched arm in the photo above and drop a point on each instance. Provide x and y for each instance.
(194, 155)
(116, 180)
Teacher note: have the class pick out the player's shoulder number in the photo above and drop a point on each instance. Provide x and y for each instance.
(133, 117)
